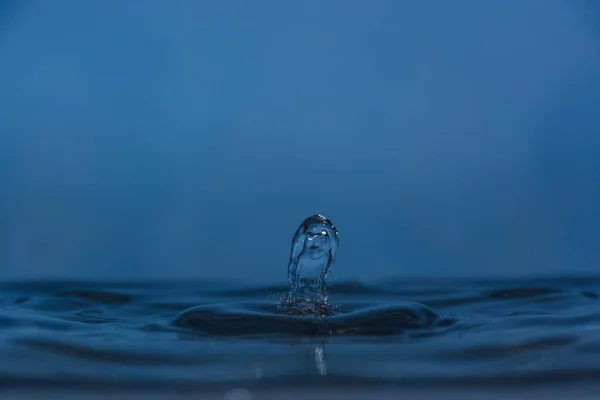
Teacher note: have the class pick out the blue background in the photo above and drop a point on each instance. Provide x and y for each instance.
(148, 139)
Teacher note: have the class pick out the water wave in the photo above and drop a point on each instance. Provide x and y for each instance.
(495, 333)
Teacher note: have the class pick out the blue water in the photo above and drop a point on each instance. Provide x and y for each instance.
(497, 334)
(176, 140)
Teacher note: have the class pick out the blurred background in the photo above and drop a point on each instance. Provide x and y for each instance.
(189, 139)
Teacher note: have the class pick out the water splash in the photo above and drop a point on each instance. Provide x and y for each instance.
(305, 309)
(313, 253)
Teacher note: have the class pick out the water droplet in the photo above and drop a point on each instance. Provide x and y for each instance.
(301, 310)
(312, 256)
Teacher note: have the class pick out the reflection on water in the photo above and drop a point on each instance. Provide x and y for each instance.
(320, 360)
(119, 337)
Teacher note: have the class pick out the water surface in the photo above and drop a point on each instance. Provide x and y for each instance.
(90, 336)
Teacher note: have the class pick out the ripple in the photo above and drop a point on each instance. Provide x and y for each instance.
(482, 333)
(105, 354)
(104, 297)
(260, 318)
(519, 293)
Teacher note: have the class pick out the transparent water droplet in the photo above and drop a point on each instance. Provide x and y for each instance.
(313, 252)
(312, 256)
